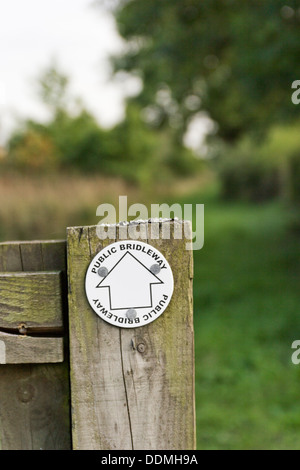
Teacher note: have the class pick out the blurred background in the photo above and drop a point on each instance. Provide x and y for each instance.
(173, 101)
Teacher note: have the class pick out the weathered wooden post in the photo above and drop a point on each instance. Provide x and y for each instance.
(34, 378)
(131, 388)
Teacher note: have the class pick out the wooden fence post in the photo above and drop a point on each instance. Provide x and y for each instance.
(132, 388)
(34, 382)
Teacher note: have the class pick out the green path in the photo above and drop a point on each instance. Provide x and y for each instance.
(247, 314)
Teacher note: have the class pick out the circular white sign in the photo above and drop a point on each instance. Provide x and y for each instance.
(129, 283)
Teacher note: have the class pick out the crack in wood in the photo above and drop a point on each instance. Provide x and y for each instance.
(125, 388)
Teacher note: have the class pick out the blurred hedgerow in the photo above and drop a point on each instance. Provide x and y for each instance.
(72, 139)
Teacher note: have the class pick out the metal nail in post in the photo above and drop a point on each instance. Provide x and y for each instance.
(131, 314)
(103, 271)
(155, 269)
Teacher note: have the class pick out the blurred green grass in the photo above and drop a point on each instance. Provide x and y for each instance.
(246, 314)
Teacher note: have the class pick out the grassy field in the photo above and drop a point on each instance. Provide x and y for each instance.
(246, 298)
(42, 206)
(246, 317)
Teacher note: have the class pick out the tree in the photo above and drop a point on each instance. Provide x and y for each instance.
(32, 150)
(52, 88)
(75, 140)
(235, 59)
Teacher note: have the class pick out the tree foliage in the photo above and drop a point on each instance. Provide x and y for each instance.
(73, 139)
(52, 88)
(234, 59)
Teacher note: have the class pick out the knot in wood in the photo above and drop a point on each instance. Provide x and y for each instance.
(25, 393)
(141, 347)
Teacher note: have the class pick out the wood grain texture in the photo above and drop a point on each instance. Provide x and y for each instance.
(34, 398)
(160, 381)
(19, 349)
(99, 408)
(31, 298)
(34, 410)
(123, 398)
(33, 256)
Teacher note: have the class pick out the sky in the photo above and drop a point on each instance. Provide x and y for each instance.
(78, 37)
(74, 34)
